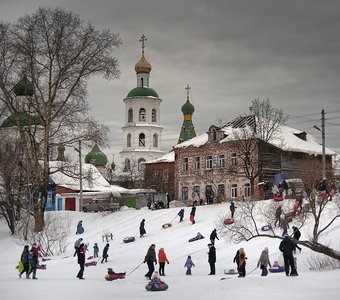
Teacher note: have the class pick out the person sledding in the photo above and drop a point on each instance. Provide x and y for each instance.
(156, 284)
(181, 215)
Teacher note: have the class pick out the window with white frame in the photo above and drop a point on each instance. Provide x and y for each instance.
(233, 159)
(233, 191)
(185, 194)
(247, 190)
(208, 162)
(197, 163)
(185, 164)
(221, 161)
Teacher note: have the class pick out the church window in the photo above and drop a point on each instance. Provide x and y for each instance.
(142, 114)
(141, 164)
(130, 115)
(154, 116)
(127, 164)
(155, 140)
(128, 142)
(142, 140)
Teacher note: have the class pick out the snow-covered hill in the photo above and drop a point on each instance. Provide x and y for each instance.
(59, 280)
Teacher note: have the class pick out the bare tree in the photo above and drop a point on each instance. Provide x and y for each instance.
(251, 137)
(59, 53)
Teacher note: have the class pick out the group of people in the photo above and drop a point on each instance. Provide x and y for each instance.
(30, 261)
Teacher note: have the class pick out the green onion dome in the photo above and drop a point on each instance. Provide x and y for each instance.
(96, 157)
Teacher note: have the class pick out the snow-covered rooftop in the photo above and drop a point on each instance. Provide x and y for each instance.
(167, 158)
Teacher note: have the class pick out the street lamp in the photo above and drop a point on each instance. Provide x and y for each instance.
(322, 130)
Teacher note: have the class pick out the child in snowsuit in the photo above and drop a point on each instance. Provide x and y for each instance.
(81, 261)
(105, 255)
(188, 264)
(95, 250)
(242, 263)
(192, 214)
(142, 230)
(181, 215)
(80, 224)
(25, 262)
(162, 259)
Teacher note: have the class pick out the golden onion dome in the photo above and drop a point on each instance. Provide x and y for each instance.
(143, 66)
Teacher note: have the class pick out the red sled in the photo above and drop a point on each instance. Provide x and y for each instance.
(166, 225)
(90, 257)
(91, 263)
(228, 221)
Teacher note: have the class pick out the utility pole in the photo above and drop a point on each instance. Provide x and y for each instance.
(323, 144)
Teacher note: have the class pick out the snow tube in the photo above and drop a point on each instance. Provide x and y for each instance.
(80, 230)
(129, 239)
(156, 286)
(278, 198)
(196, 238)
(90, 257)
(230, 271)
(278, 269)
(115, 276)
(166, 225)
(41, 267)
(228, 221)
(91, 263)
(266, 228)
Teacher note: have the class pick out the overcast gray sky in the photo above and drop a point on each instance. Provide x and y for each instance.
(229, 51)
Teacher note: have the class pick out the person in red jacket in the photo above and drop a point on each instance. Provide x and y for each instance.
(162, 259)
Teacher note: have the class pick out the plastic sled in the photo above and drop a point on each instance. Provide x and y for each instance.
(166, 225)
(228, 221)
(129, 239)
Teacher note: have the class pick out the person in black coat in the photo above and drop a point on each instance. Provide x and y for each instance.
(287, 247)
(81, 261)
(192, 214)
(33, 261)
(105, 250)
(25, 262)
(232, 209)
(237, 259)
(212, 258)
(296, 236)
(142, 230)
(150, 259)
(213, 236)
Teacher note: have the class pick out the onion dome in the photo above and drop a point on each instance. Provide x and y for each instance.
(143, 66)
(188, 108)
(24, 120)
(96, 157)
(24, 87)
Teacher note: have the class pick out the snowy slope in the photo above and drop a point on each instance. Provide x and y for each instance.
(59, 280)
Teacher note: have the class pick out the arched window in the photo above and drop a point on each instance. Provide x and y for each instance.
(142, 140)
(142, 114)
(128, 140)
(155, 140)
(130, 115)
(127, 164)
(141, 164)
(154, 116)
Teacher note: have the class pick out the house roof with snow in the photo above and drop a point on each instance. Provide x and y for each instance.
(286, 139)
(167, 158)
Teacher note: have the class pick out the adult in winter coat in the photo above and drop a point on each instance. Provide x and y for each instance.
(264, 262)
(76, 246)
(232, 209)
(181, 215)
(142, 230)
(242, 263)
(150, 260)
(237, 259)
(162, 259)
(287, 247)
(278, 214)
(189, 264)
(192, 214)
(25, 262)
(33, 261)
(105, 255)
(212, 258)
(81, 261)
(213, 236)
(296, 236)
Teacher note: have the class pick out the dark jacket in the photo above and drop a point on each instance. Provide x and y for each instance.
(232, 206)
(212, 255)
(213, 235)
(141, 227)
(105, 250)
(150, 255)
(297, 233)
(193, 211)
(33, 255)
(287, 246)
(181, 213)
(81, 254)
(237, 257)
(24, 255)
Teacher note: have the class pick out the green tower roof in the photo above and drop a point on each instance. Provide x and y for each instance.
(96, 157)
(24, 119)
(188, 108)
(24, 87)
(142, 92)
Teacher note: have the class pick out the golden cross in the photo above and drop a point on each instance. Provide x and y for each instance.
(188, 89)
(142, 40)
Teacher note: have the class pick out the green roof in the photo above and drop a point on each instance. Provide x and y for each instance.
(96, 157)
(24, 87)
(188, 108)
(24, 119)
(142, 91)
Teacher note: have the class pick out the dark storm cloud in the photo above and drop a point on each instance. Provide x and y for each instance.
(230, 52)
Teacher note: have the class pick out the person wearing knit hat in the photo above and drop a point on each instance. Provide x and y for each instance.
(264, 262)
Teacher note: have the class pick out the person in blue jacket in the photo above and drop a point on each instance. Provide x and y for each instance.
(189, 264)
(181, 215)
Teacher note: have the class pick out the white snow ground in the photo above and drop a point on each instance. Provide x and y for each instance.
(59, 282)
